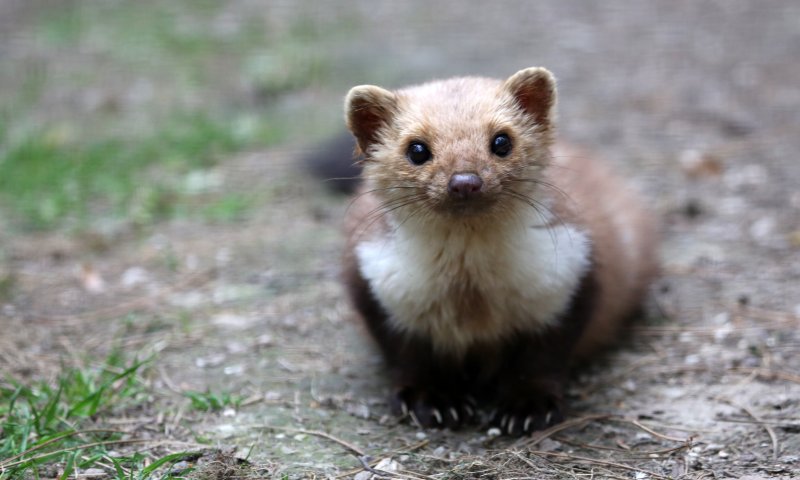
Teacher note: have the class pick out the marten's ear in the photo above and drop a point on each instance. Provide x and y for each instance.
(367, 109)
(535, 91)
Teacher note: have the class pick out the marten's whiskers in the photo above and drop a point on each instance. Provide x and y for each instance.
(389, 206)
(544, 212)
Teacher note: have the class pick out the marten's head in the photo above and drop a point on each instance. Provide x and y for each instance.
(461, 147)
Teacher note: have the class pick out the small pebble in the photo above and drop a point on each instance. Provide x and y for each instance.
(133, 277)
(387, 465)
(213, 360)
(763, 228)
(93, 473)
(358, 410)
(629, 385)
(548, 445)
(179, 467)
(696, 164)
(272, 396)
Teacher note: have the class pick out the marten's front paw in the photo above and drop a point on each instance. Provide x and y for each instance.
(432, 409)
(525, 417)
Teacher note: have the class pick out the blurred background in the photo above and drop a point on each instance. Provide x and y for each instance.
(99, 95)
(152, 206)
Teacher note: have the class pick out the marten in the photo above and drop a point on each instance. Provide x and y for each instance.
(482, 255)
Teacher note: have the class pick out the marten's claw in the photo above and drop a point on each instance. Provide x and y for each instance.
(528, 417)
(429, 409)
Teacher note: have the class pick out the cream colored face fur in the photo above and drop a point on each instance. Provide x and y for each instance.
(460, 276)
(457, 119)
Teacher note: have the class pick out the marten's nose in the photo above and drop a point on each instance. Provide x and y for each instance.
(463, 186)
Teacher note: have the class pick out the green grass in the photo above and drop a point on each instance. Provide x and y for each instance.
(187, 37)
(228, 208)
(51, 182)
(212, 401)
(204, 93)
(47, 427)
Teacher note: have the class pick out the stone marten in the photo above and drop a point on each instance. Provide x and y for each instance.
(482, 255)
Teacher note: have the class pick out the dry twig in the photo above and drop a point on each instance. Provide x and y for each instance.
(767, 427)
(636, 423)
(768, 374)
(575, 422)
(373, 463)
(596, 461)
(317, 433)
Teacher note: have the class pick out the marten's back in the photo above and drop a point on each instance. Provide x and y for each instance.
(624, 237)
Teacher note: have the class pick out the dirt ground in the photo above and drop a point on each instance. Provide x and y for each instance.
(697, 102)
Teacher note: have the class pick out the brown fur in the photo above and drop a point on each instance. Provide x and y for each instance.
(432, 113)
(578, 180)
(584, 179)
(523, 365)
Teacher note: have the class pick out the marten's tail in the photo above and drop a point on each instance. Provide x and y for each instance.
(335, 163)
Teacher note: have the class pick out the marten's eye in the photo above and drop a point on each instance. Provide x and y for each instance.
(501, 145)
(418, 153)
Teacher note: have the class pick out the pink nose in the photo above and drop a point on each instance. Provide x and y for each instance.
(464, 185)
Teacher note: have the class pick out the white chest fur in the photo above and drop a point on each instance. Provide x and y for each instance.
(458, 286)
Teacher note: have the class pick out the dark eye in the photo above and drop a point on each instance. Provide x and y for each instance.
(418, 153)
(501, 145)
